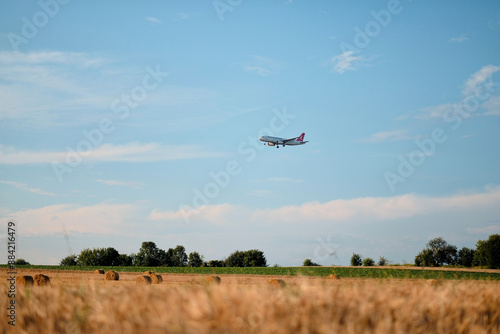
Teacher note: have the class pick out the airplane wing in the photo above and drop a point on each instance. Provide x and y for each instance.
(287, 140)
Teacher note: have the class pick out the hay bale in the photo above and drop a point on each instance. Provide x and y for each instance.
(41, 280)
(144, 280)
(99, 271)
(155, 279)
(112, 275)
(277, 283)
(333, 276)
(212, 280)
(24, 280)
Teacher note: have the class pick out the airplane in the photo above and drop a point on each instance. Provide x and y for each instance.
(275, 141)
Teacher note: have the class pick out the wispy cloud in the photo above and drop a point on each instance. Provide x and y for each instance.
(492, 229)
(24, 187)
(49, 83)
(103, 218)
(492, 106)
(384, 136)
(129, 184)
(348, 61)
(459, 39)
(262, 66)
(477, 81)
(479, 78)
(131, 152)
(369, 209)
(434, 111)
(153, 20)
(283, 179)
(182, 16)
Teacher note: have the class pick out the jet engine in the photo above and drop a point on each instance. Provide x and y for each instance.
(270, 144)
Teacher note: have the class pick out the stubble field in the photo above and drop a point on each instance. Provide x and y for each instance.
(83, 302)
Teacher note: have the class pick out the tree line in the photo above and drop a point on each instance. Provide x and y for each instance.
(149, 255)
(438, 253)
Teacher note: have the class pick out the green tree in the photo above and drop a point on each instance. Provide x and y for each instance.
(488, 252)
(382, 261)
(465, 257)
(236, 259)
(148, 255)
(254, 258)
(442, 252)
(309, 263)
(99, 257)
(216, 263)
(195, 260)
(107, 256)
(21, 262)
(87, 257)
(176, 257)
(368, 262)
(124, 260)
(70, 260)
(356, 260)
(425, 258)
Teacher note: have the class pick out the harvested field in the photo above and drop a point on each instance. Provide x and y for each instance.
(79, 301)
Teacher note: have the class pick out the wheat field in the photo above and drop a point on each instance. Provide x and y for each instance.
(85, 303)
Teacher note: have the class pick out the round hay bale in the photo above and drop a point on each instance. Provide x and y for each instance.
(41, 280)
(277, 282)
(112, 275)
(144, 280)
(155, 279)
(24, 280)
(333, 276)
(212, 280)
(99, 271)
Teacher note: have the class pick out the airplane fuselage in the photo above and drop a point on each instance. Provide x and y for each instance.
(276, 141)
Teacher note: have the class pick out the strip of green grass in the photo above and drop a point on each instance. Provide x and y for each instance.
(347, 272)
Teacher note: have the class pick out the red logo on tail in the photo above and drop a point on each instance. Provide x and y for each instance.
(301, 138)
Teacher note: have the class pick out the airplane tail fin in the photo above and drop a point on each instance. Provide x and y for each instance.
(301, 137)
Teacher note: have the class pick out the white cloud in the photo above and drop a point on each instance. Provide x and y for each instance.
(348, 61)
(131, 152)
(492, 106)
(383, 136)
(492, 229)
(95, 219)
(368, 209)
(182, 16)
(257, 70)
(475, 84)
(283, 179)
(459, 39)
(24, 187)
(434, 111)
(479, 78)
(129, 184)
(262, 66)
(153, 20)
(48, 83)
(50, 57)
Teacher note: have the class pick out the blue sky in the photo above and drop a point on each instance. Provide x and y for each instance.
(131, 122)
